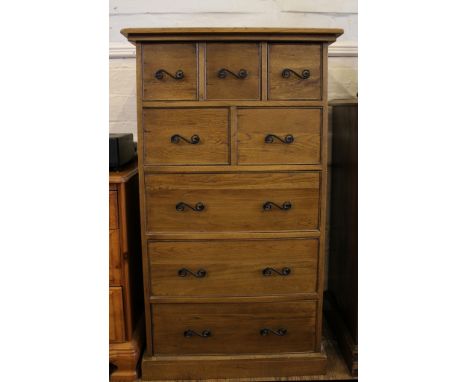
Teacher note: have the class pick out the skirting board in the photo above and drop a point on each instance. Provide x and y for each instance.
(125, 50)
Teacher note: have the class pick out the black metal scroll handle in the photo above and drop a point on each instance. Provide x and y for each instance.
(283, 272)
(270, 138)
(286, 73)
(280, 332)
(194, 139)
(222, 73)
(267, 206)
(161, 72)
(181, 207)
(184, 272)
(190, 333)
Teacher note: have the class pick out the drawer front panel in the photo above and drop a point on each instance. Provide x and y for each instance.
(233, 71)
(233, 268)
(116, 315)
(186, 136)
(115, 268)
(170, 72)
(279, 136)
(113, 210)
(231, 328)
(257, 202)
(294, 71)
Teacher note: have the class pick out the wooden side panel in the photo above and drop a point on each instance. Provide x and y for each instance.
(170, 58)
(296, 57)
(233, 267)
(113, 210)
(234, 328)
(233, 57)
(116, 315)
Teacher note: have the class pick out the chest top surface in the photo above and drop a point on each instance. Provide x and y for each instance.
(266, 34)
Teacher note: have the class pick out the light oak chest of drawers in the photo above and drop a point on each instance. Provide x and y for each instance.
(232, 136)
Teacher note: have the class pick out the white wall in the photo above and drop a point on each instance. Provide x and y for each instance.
(225, 13)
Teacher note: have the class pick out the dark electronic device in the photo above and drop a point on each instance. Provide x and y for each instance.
(121, 150)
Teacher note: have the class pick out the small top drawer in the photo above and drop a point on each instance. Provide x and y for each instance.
(233, 71)
(294, 71)
(170, 72)
(279, 135)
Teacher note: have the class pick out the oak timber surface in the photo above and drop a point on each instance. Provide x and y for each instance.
(134, 33)
(216, 201)
(209, 125)
(234, 58)
(336, 370)
(232, 202)
(303, 127)
(234, 328)
(233, 267)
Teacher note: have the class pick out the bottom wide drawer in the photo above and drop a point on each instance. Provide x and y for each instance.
(234, 328)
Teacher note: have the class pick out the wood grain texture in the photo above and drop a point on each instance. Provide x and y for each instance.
(125, 299)
(233, 57)
(211, 125)
(297, 57)
(207, 169)
(115, 262)
(233, 202)
(335, 368)
(113, 210)
(116, 315)
(240, 103)
(323, 191)
(125, 356)
(233, 268)
(254, 125)
(142, 201)
(170, 57)
(234, 328)
(232, 234)
(231, 34)
(265, 367)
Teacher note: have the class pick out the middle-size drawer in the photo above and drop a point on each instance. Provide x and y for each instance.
(233, 267)
(226, 202)
(186, 136)
(279, 135)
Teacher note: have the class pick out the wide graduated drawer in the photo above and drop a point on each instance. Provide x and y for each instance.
(255, 202)
(186, 136)
(233, 71)
(279, 135)
(233, 267)
(170, 71)
(294, 71)
(234, 328)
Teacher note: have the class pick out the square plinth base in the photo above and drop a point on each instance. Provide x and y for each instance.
(258, 367)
